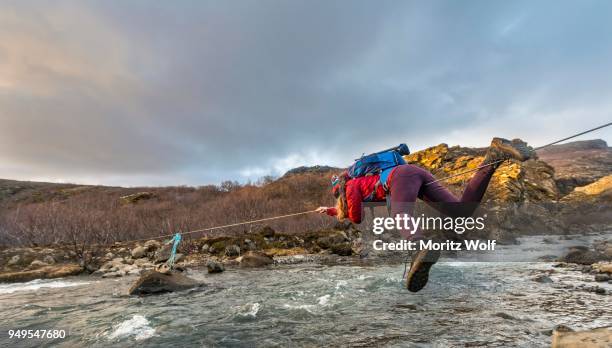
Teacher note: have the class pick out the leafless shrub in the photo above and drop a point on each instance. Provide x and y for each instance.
(98, 216)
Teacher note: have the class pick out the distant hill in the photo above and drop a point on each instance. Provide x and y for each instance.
(312, 169)
(578, 163)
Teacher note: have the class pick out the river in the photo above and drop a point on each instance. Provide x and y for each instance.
(465, 304)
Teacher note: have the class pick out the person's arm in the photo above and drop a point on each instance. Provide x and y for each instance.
(353, 200)
(331, 211)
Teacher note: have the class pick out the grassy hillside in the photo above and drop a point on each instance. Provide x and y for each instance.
(34, 213)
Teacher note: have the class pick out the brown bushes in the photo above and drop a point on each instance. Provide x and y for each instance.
(90, 215)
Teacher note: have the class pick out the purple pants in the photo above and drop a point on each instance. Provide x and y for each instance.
(408, 183)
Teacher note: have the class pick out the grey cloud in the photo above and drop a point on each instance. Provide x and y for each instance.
(199, 92)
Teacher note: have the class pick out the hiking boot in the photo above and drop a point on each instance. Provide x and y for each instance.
(502, 149)
(418, 275)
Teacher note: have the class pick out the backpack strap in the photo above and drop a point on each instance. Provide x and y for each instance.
(372, 196)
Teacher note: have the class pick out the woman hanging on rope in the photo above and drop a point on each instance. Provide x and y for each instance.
(405, 183)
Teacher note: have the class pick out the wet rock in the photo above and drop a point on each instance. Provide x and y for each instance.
(139, 252)
(603, 277)
(327, 242)
(582, 255)
(505, 316)
(47, 272)
(342, 249)
(255, 259)
(542, 279)
(548, 240)
(565, 337)
(409, 306)
(153, 282)
(214, 267)
(232, 250)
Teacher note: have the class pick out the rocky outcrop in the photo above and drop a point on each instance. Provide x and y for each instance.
(513, 193)
(45, 272)
(597, 191)
(154, 282)
(530, 181)
(312, 169)
(565, 337)
(137, 197)
(521, 197)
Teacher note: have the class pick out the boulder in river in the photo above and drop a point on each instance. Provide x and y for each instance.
(214, 267)
(565, 337)
(153, 282)
(542, 278)
(255, 259)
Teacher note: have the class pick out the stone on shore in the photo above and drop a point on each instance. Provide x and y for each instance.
(46, 272)
(139, 252)
(153, 282)
(564, 337)
(255, 259)
(152, 245)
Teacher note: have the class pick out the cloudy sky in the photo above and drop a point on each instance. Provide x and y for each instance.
(196, 92)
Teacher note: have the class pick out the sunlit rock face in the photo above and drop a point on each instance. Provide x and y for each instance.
(530, 181)
(522, 196)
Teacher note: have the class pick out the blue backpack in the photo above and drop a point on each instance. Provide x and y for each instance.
(380, 163)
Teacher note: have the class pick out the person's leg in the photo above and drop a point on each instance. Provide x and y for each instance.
(447, 203)
(404, 186)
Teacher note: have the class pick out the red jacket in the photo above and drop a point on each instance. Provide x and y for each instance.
(357, 190)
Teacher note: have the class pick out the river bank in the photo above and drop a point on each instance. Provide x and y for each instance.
(589, 254)
(312, 304)
(121, 259)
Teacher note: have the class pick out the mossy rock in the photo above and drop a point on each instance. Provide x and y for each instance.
(342, 249)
